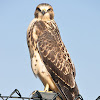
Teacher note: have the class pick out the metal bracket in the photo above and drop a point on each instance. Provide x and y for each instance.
(36, 95)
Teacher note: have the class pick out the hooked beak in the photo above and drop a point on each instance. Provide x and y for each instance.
(43, 12)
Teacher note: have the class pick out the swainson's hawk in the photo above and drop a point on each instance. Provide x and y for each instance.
(50, 60)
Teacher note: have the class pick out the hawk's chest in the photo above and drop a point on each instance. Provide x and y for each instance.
(35, 30)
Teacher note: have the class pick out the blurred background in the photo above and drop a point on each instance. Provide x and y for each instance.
(79, 25)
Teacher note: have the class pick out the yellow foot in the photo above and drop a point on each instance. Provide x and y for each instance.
(47, 91)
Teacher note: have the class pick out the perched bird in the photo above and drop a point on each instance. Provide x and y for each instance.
(50, 60)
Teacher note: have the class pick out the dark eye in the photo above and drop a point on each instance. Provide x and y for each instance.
(49, 9)
(38, 9)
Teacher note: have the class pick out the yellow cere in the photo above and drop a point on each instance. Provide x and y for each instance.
(44, 10)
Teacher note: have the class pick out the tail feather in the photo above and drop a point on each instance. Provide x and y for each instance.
(68, 93)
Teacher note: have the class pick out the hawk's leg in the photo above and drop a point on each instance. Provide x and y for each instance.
(46, 88)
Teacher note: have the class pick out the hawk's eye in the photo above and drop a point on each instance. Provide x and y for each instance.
(49, 9)
(39, 9)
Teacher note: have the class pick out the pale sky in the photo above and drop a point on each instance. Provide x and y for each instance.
(79, 25)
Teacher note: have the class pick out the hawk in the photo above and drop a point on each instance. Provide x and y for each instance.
(50, 60)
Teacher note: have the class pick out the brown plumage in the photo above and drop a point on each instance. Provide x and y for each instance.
(50, 59)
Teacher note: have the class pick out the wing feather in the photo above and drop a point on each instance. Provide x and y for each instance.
(52, 55)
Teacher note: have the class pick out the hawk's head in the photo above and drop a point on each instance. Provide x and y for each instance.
(44, 12)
